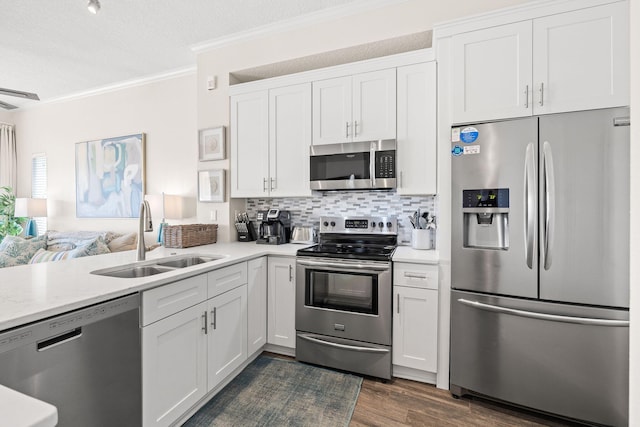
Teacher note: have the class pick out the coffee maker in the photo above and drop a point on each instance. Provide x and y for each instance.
(275, 227)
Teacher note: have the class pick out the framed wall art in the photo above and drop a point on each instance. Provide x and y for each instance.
(211, 144)
(211, 185)
(110, 179)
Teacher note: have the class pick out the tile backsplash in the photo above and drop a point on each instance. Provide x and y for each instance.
(307, 211)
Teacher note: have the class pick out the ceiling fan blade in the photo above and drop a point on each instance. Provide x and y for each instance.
(7, 106)
(19, 94)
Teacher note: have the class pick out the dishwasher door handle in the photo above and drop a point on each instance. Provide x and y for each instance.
(59, 339)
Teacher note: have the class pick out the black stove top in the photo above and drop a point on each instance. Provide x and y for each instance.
(366, 238)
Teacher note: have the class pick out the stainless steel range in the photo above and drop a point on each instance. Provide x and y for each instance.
(344, 295)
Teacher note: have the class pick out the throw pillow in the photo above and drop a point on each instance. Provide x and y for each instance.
(91, 247)
(126, 242)
(21, 250)
(67, 240)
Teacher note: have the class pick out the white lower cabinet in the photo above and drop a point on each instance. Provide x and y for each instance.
(174, 365)
(282, 299)
(415, 321)
(256, 305)
(190, 349)
(227, 334)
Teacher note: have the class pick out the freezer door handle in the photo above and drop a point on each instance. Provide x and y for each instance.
(530, 207)
(549, 206)
(544, 316)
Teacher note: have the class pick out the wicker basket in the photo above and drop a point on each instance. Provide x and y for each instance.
(185, 236)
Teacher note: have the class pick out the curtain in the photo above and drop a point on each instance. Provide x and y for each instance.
(8, 157)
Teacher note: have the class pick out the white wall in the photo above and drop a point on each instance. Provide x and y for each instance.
(164, 110)
(5, 116)
(634, 374)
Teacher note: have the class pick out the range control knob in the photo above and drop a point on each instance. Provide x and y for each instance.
(326, 224)
(373, 224)
(333, 223)
(381, 224)
(389, 224)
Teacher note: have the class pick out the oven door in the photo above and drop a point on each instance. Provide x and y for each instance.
(348, 299)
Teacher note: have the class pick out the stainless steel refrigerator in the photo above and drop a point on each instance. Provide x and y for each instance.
(540, 263)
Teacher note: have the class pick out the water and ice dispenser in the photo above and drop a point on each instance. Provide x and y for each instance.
(486, 218)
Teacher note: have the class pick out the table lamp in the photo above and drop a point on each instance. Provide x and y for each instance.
(172, 208)
(30, 208)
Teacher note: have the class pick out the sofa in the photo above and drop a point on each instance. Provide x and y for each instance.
(61, 245)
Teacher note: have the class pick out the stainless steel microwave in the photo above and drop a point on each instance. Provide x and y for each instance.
(353, 165)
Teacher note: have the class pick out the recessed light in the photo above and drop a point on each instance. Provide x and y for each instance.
(93, 6)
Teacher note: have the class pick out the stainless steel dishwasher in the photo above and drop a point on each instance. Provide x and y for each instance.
(86, 362)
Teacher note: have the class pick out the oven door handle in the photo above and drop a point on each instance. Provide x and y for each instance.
(344, 346)
(344, 266)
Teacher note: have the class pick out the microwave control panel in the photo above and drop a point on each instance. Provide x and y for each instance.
(386, 164)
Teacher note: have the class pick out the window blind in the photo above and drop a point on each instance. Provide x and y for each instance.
(39, 185)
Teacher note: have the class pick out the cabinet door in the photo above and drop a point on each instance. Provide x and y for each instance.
(249, 144)
(227, 343)
(289, 140)
(374, 105)
(332, 111)
(174, 366)
(492, 73)
(581, 59)
(282, 292)
(257, 305)
(417, 129)
(415, 328)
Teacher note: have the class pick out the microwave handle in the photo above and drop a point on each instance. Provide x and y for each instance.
(372, 166)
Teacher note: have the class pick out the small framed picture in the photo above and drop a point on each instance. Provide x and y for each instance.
(211, 144)
(211, 185)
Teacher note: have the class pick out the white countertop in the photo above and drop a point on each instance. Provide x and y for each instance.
(20, 410)
(33, 292)
(408, 254)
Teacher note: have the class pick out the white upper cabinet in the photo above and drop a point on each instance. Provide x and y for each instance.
(249, 144)
(361, 107)
(569, 61)
(270, 139)
(492, 73)
(581, 59)
(416, 158)
(289, 140)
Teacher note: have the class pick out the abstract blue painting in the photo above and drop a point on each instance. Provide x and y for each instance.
(110, 177)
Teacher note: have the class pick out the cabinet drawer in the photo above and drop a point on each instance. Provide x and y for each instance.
(166, 300)
(415, 275)
(227, 278)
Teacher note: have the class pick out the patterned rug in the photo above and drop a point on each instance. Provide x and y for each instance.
(276, 392)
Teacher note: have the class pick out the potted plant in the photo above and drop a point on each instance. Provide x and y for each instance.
(9, 224)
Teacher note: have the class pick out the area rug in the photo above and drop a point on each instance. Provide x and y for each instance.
(276, 392)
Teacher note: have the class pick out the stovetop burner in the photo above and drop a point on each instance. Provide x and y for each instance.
(370, 238)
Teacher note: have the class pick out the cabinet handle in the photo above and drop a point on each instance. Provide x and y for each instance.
(355, 128)
(398, 304)
(213, 318)
(541, 94)
(264, 184)
(415, 275)
(290, 273)
(526, 97)
(204, 317)
(347, 130)
(273, 184)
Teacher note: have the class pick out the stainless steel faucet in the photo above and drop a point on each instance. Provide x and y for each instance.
(145, 224)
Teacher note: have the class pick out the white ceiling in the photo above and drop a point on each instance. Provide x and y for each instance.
(56, 48)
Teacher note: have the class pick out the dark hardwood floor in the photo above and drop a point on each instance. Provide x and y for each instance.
(409, 403)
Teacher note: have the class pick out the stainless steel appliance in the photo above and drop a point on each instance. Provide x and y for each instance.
(274, 228)
(540, 263)
(344, 295)
(353, 165)
(304, 235)
(87, 363)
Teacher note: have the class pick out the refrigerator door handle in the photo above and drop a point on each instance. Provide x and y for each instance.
(530, 207)
(549, 214)
(544, 316)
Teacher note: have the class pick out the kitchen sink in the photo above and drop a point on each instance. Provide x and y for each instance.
(158, 266)
(187, 261)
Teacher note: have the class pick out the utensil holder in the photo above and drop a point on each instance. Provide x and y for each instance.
(421, 238)
(246, 232)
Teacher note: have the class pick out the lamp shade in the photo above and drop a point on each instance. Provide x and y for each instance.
(31, 208)
(173, 206)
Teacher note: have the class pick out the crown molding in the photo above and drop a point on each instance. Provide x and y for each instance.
(116, 86)
(320, 16)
